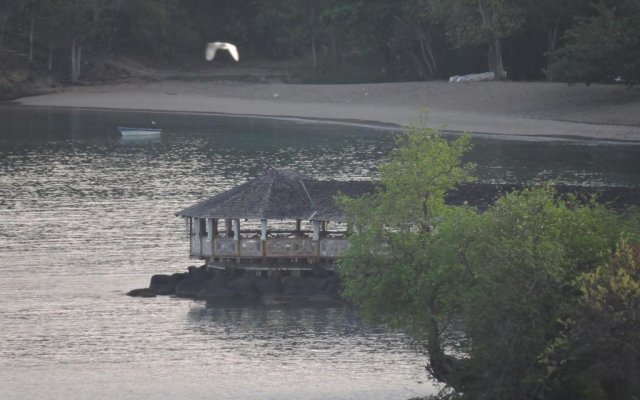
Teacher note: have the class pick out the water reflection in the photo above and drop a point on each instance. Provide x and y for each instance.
(276, 322)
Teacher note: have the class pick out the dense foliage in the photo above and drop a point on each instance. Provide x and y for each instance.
(605, 46)
(538, 297)
(340, 39)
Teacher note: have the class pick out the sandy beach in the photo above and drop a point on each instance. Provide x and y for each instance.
(602, 112)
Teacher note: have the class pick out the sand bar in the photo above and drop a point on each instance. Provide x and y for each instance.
(603, 112)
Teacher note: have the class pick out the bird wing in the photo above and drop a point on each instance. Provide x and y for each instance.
(233, 50)
(210, 52)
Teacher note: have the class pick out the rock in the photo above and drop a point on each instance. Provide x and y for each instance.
(320, 272)
(291, 282)
(221, 293)
(311, 286)
(166, 284)
(302, 286)
(237, 286)
(333, 285)
(201, 272)
(144, 292)
(242, 285)
(269, 286)
(219, 280)
(192, 287)
(292, 291)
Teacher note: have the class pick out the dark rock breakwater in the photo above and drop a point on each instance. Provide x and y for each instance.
(217, 286)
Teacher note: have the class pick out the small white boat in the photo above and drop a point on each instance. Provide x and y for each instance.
(126, 132)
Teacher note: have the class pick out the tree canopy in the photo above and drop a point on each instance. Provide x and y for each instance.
(535, 298)
(574, 40)
(604, 46)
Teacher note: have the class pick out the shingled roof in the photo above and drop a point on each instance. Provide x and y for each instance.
(287, 194)
(279, 194)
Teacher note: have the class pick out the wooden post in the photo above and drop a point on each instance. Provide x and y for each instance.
(297, 225)
(316, 230)
(236, 229)
(263, 229)
(214, 227)
(227, 226)
(210, 235)
(188, 222)
(187, 226)
(236, 237)
(209, 228)
(196, 234)
(263, 237)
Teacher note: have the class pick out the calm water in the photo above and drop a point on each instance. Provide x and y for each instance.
(86, 216)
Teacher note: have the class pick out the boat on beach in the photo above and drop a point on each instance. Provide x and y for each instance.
(131, 132)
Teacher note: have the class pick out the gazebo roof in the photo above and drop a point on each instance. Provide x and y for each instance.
(279, 194)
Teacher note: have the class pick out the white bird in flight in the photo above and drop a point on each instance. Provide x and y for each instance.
(210, 52)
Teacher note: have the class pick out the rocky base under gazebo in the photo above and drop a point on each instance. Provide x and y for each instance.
(220, 286)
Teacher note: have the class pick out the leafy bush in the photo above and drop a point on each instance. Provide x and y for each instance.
(516, 302)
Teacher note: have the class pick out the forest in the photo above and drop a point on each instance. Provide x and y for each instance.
(338, 40)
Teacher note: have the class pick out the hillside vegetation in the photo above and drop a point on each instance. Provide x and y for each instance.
(76, 41)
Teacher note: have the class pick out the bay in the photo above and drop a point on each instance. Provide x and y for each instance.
(86, 216)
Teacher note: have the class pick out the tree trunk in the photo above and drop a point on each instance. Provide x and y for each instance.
(76, 56)
(50, 58)
(313, 53)
(495, 58)
(31, 39)
(387, 57)
(552, 40)
(494, 55)
(313, 38)
(337, 53)
(79, 61)
(73, 60)
(427, 55)
(443, 367)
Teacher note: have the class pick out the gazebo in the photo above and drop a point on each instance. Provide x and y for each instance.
(281, 220)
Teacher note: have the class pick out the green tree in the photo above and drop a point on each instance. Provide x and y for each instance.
(76, 24)
(487, 294)
(521, 259)
(602, 47)
(158, 29)
(597, 353)
(552, 18)
(341, 19)
(389, 270)
(418, 30)
(8, 9)
(471, 22)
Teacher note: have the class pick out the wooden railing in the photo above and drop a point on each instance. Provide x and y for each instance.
(272, 248)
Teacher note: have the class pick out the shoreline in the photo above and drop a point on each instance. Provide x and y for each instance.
(602, 113)
(363, 124)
